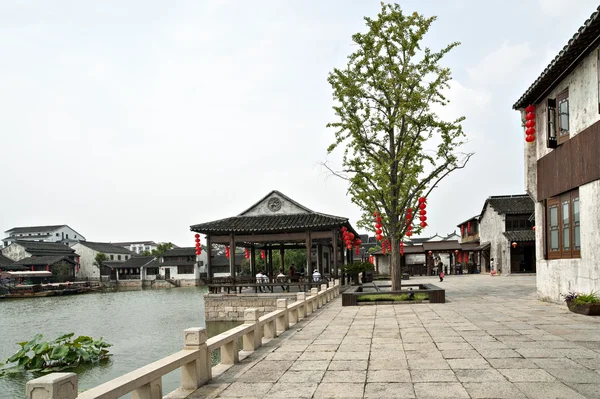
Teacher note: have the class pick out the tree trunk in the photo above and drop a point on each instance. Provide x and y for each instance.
(395, 266)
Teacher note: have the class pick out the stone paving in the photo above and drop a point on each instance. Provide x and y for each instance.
(492, 339)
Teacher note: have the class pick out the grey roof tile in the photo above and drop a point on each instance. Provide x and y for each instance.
(520, 235)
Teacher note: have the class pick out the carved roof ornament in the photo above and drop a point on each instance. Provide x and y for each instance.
(274, 204)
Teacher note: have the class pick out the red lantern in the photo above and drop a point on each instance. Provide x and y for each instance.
(514, 244)
(530, 131)
(530, 116)
(469, 227)
(351, 236)
(343, 228)
(409, 233)
(379, 237)
(357, 251)
(378, 225)
(423, 218)
(530, 123)
(533, 228)
(456, 252)
(462, 230)
(422, 212)
(530, 138)
(378, 231)
(409, 227)
(262, 254)
(227, 252)
(348, 246)
(430, 253)
(530, 108)
(247, 253)
(423, 224)
(422, 205)
(197, 235)
(409, 210)
(422, 200)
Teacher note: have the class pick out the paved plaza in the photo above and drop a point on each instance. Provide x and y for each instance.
(492, 339)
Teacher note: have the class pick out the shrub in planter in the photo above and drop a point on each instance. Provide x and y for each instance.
(586, 304)
(354, 269)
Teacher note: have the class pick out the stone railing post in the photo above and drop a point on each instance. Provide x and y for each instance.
(325, 297)
(151, 390)
(253, 339)
(196, 373)
(309, 304)
(337, 287)
(301, 297)
(270, 331)
(53, 386)
(292, 316)
(314, 293)
(283, 322)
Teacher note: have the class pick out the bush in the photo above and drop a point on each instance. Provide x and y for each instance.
(354, 269)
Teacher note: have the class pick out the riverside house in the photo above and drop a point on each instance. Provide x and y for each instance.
(87, 252)
(562, 166)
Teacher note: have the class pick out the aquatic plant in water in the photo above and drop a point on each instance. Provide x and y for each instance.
(57, 355)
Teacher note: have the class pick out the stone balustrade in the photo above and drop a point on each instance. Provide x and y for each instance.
(194, 359)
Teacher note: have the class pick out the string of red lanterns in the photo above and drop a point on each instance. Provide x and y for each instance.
(401, 247)
(378, 226)
(262, 254)
(348, 237)
(198, 246)
(423, 212)
(530, 123)
(409, 218)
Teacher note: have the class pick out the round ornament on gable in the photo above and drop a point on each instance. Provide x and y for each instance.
(274, 204)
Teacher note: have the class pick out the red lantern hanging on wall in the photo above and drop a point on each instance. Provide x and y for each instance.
(198, 246)
(227, 253)
(469, 227)
(247, 253)
(530, 123)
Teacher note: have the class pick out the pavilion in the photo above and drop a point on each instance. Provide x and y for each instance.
(277, 223)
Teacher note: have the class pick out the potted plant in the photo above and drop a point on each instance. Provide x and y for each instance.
(586, 304)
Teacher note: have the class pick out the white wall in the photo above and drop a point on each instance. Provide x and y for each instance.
(491, 227)
(559, 276)
(15, 252)
(286, 207)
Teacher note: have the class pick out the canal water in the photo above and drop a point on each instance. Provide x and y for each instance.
(143, 326)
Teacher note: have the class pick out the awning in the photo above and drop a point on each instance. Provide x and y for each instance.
(26, 274)
(483, 246)
(469, 246)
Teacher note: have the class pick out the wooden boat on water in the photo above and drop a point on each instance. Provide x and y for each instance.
(45, 290)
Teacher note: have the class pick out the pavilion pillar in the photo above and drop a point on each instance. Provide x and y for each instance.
(308, 253)
(253, 260)
(282, 257)
(232, 255)
(320, 259)
(208, 258)
(270, 263)
(334, 255)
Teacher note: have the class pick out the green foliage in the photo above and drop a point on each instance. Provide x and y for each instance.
(396, 147)
(100, 259)
(354, 269)
(161, 249)
(57, 355)
(582, 299)
(391, 297)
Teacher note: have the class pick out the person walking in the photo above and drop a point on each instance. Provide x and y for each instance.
(442, 275)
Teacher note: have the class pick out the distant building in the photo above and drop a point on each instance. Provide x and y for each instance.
(181, 264)
(506, 234)
(137, 247)
(87, 252)
(58, 233)
(43, 256)
(137, 268)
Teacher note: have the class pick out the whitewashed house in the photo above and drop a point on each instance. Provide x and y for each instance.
(562, 165)
(87, 252)
(506, 234)
(57, 233)
(181, 264)
(137, 247)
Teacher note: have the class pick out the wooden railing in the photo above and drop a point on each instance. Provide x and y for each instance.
(195, 358)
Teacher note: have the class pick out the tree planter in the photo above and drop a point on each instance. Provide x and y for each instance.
(588, 309)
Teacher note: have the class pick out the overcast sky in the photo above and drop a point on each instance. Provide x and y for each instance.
(132, 120)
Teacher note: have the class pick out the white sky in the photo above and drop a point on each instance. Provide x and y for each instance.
(132, 120)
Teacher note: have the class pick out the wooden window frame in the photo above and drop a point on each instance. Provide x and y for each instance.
(559, 201)
(561, 138)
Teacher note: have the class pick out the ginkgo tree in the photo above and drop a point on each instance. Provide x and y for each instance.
(396, 147)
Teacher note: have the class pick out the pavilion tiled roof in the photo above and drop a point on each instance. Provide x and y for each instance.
(105, 247)
(520, 235)
(270, 223)
(441, 245)
(184, 251)
(137, 261)
(34, 247)
(5, 261)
